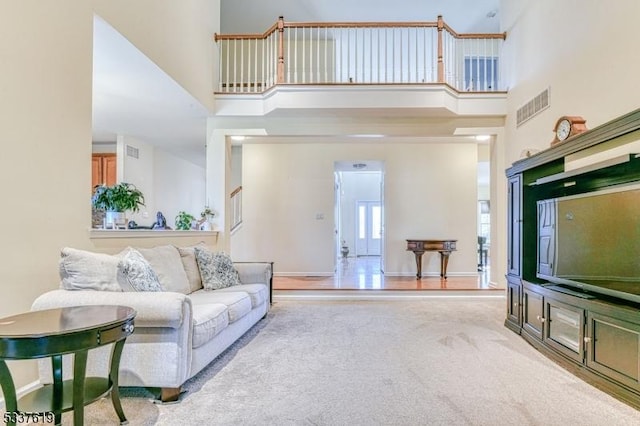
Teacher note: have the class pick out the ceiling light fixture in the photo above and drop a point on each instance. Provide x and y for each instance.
(482, 138)
(238, 138)
(372, 135)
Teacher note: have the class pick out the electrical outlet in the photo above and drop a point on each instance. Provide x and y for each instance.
(319, 216)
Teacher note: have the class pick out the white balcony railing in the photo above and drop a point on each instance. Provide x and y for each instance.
(236, 208)
(359, 53)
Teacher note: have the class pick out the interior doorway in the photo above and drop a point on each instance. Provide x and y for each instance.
(359, 213)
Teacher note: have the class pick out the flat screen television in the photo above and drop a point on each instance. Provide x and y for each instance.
(591, 241)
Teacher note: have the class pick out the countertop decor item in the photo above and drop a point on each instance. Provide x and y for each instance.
(115, 200)
(184, 221)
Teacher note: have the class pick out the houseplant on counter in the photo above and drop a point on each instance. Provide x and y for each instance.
(184, 221)
(116, 200)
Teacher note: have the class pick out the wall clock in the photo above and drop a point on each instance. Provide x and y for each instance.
(568, 126)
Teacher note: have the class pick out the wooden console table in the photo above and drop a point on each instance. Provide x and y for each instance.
(444, 247)
(53, 333)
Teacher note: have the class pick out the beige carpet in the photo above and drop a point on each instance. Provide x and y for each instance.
(423, 362)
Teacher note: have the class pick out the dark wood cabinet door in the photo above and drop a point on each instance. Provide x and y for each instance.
(514, 231)
(513, 302)
(613, 348)
(533, 313)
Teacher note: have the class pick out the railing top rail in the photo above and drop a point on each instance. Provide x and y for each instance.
(502, 36)
(265, 34)
(359, 24)
(274, 28)
(235, 191)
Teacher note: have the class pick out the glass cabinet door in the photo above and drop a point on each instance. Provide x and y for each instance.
(565, 329)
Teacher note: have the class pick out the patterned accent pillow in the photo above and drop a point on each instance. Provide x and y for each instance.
(135, 273)
(216, 269)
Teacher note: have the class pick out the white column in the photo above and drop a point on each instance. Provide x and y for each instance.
(216, 183)
(498, 255)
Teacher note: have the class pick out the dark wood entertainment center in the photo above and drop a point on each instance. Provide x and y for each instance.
(594, 336)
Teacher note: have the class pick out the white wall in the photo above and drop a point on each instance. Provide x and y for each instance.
(178, 185)
(45, 134)
(104, 147)
(45, 124)
(430, 192)
(583, 51)
(137, 171)
(176, 35)
(170, 184)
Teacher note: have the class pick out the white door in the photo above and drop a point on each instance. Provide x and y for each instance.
(369, 227)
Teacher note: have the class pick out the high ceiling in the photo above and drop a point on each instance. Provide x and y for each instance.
(133, 96)
(255, 16)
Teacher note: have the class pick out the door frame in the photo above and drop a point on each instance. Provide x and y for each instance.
(339, 214)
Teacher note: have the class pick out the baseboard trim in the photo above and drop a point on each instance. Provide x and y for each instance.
(303, 274)
(377, 295)
(23, 391)
(386, 274)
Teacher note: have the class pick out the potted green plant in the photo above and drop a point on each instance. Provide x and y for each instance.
(184, 221)
(116, 200)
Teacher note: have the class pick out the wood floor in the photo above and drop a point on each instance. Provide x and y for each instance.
(363, 273)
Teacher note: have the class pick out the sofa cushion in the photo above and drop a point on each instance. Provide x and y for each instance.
(216, 269)
(208, 320)
(85, 270)
(237, 302)
(136, 274)
(258, 293)
(188, 257)
(166, 262)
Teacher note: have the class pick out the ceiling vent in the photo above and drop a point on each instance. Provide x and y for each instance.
(133, 152)
(533, 107)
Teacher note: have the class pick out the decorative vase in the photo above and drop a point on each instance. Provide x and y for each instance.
(114, 220)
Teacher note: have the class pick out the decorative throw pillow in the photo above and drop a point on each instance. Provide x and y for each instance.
(216, 269)
(166, 263)
(188, 257)
(85, 270)
(135, 273)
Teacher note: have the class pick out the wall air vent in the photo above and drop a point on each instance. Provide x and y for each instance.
(533, 107)
(133, 152)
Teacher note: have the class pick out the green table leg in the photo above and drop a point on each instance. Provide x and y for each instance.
(79, 372)
(56, 368)
(9, 392)
(113, 378)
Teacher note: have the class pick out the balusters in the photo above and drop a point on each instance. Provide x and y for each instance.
(363, 53)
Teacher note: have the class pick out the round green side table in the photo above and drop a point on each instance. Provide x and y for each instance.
(54, 333)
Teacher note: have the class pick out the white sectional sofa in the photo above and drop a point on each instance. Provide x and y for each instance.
(179, 329)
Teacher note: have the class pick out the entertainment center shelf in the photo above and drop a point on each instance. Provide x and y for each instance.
(591, 327)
